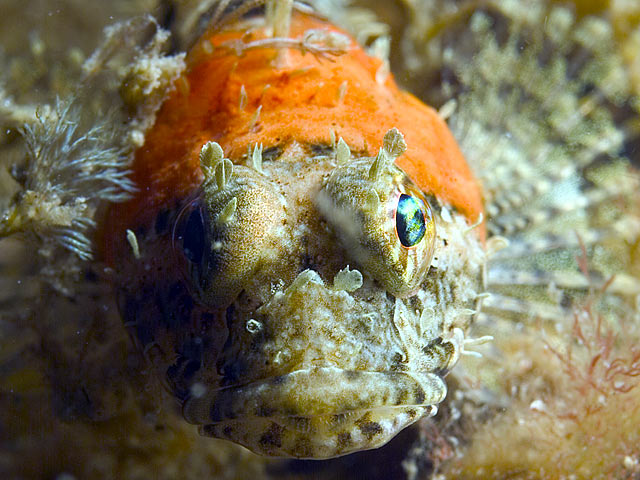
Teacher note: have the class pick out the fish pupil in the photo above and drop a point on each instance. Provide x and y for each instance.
(193, 237)
(410, 223)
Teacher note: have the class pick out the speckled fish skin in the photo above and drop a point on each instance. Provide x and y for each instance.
(273, 294)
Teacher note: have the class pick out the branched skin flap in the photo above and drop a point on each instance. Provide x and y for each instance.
(299, 294)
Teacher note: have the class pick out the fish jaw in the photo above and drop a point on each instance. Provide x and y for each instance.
(317, 412)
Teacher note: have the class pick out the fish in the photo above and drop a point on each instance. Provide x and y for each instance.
(306, 248)
(305, 288)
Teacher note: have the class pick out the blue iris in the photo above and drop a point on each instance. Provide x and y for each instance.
(409, 221)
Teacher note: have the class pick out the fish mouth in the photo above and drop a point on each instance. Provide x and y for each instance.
(319, 412)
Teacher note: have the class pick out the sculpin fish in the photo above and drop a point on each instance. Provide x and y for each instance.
(306, 247)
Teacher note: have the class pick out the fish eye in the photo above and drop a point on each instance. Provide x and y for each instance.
(193, 237)
(225, 233)
(410, 221)
(190, 232)
(384, 221)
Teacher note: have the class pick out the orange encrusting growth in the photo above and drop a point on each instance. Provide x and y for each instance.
(299, 101)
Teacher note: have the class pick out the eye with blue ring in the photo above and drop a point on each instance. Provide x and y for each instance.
(410, 221)
(386, 223)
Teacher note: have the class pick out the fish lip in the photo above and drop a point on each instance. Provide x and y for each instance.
(317, 438)
(316, 392)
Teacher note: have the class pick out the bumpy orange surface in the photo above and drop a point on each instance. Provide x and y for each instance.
(300, 101)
